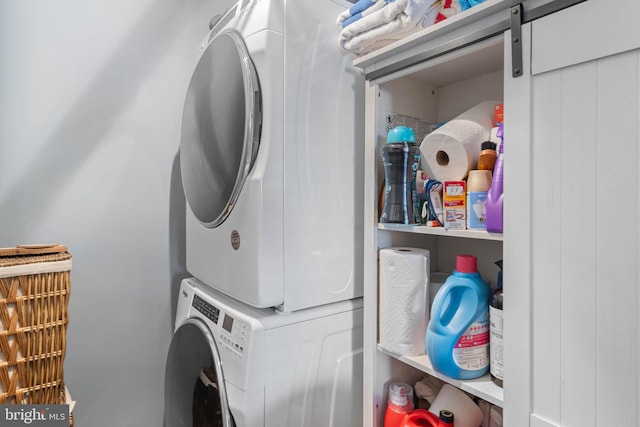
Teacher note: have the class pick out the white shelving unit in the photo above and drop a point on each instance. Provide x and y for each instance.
(440, 231)
(571, 279)
(481, 387)
(435, 90)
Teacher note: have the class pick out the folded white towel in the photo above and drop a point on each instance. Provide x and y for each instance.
(360, 9)
(389, 23)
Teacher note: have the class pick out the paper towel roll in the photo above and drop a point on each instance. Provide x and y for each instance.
(404, 275)
(465, 412)
(451, 151)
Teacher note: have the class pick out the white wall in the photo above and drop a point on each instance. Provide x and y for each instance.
(91, 98)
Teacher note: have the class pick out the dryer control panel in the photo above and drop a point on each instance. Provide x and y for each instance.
(231, 332)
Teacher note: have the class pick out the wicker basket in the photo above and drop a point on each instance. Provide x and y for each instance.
(34, 294)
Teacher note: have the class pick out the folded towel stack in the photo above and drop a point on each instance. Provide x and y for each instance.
(360, 9)
(449, 8)
(371, 24)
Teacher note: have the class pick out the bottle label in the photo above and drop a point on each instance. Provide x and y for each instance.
(476, 210)
(471, 352)
(496, 347)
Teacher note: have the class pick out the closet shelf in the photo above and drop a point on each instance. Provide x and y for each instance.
(441, 231)
(481, 387)
(450, 29)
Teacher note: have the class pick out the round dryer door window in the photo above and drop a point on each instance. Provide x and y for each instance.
(221, 125)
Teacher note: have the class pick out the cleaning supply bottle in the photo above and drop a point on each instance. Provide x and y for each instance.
(494, 196)
(400, 157)
(478, 185)
(457, 338)
(424, 418)
(496, 346)
(488, 156)
(400, 403)
(446, 418)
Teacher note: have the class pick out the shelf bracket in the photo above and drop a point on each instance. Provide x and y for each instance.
(516, 40)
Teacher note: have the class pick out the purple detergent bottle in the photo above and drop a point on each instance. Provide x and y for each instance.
(494, 196)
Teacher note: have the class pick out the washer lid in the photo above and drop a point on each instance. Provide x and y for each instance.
(221, 125)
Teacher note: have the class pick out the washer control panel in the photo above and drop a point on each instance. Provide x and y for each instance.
(210, 312)
(230, 331)
(234, 334)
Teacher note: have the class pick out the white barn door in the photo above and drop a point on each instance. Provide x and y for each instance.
(579, 133)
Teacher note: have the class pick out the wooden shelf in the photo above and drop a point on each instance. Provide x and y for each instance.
(481, 387)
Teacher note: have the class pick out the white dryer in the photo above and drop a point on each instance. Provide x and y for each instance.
(270, 370)
(271, 157)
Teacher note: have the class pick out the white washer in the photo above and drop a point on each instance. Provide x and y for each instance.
(271, 157)
(272, 370)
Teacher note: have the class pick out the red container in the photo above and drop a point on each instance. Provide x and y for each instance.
(423, 418)
(399, 405)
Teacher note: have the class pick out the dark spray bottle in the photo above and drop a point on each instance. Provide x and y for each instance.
(496, 339)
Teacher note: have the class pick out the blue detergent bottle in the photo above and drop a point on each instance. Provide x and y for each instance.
(457, 338)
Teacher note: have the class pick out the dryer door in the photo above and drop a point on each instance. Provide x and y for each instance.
(195, 393)
(221, 125)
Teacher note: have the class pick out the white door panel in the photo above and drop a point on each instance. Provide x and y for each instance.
(587, 31)
(585, 239)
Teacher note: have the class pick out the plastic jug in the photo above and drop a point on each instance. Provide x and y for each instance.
(424, 418)
(399, 405)
(457, 338)
(400, 157)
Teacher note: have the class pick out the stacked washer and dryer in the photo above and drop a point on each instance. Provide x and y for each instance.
(271, 161)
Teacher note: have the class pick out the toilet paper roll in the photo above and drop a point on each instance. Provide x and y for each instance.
(451, 151)
(465, 412)
(404, 276)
